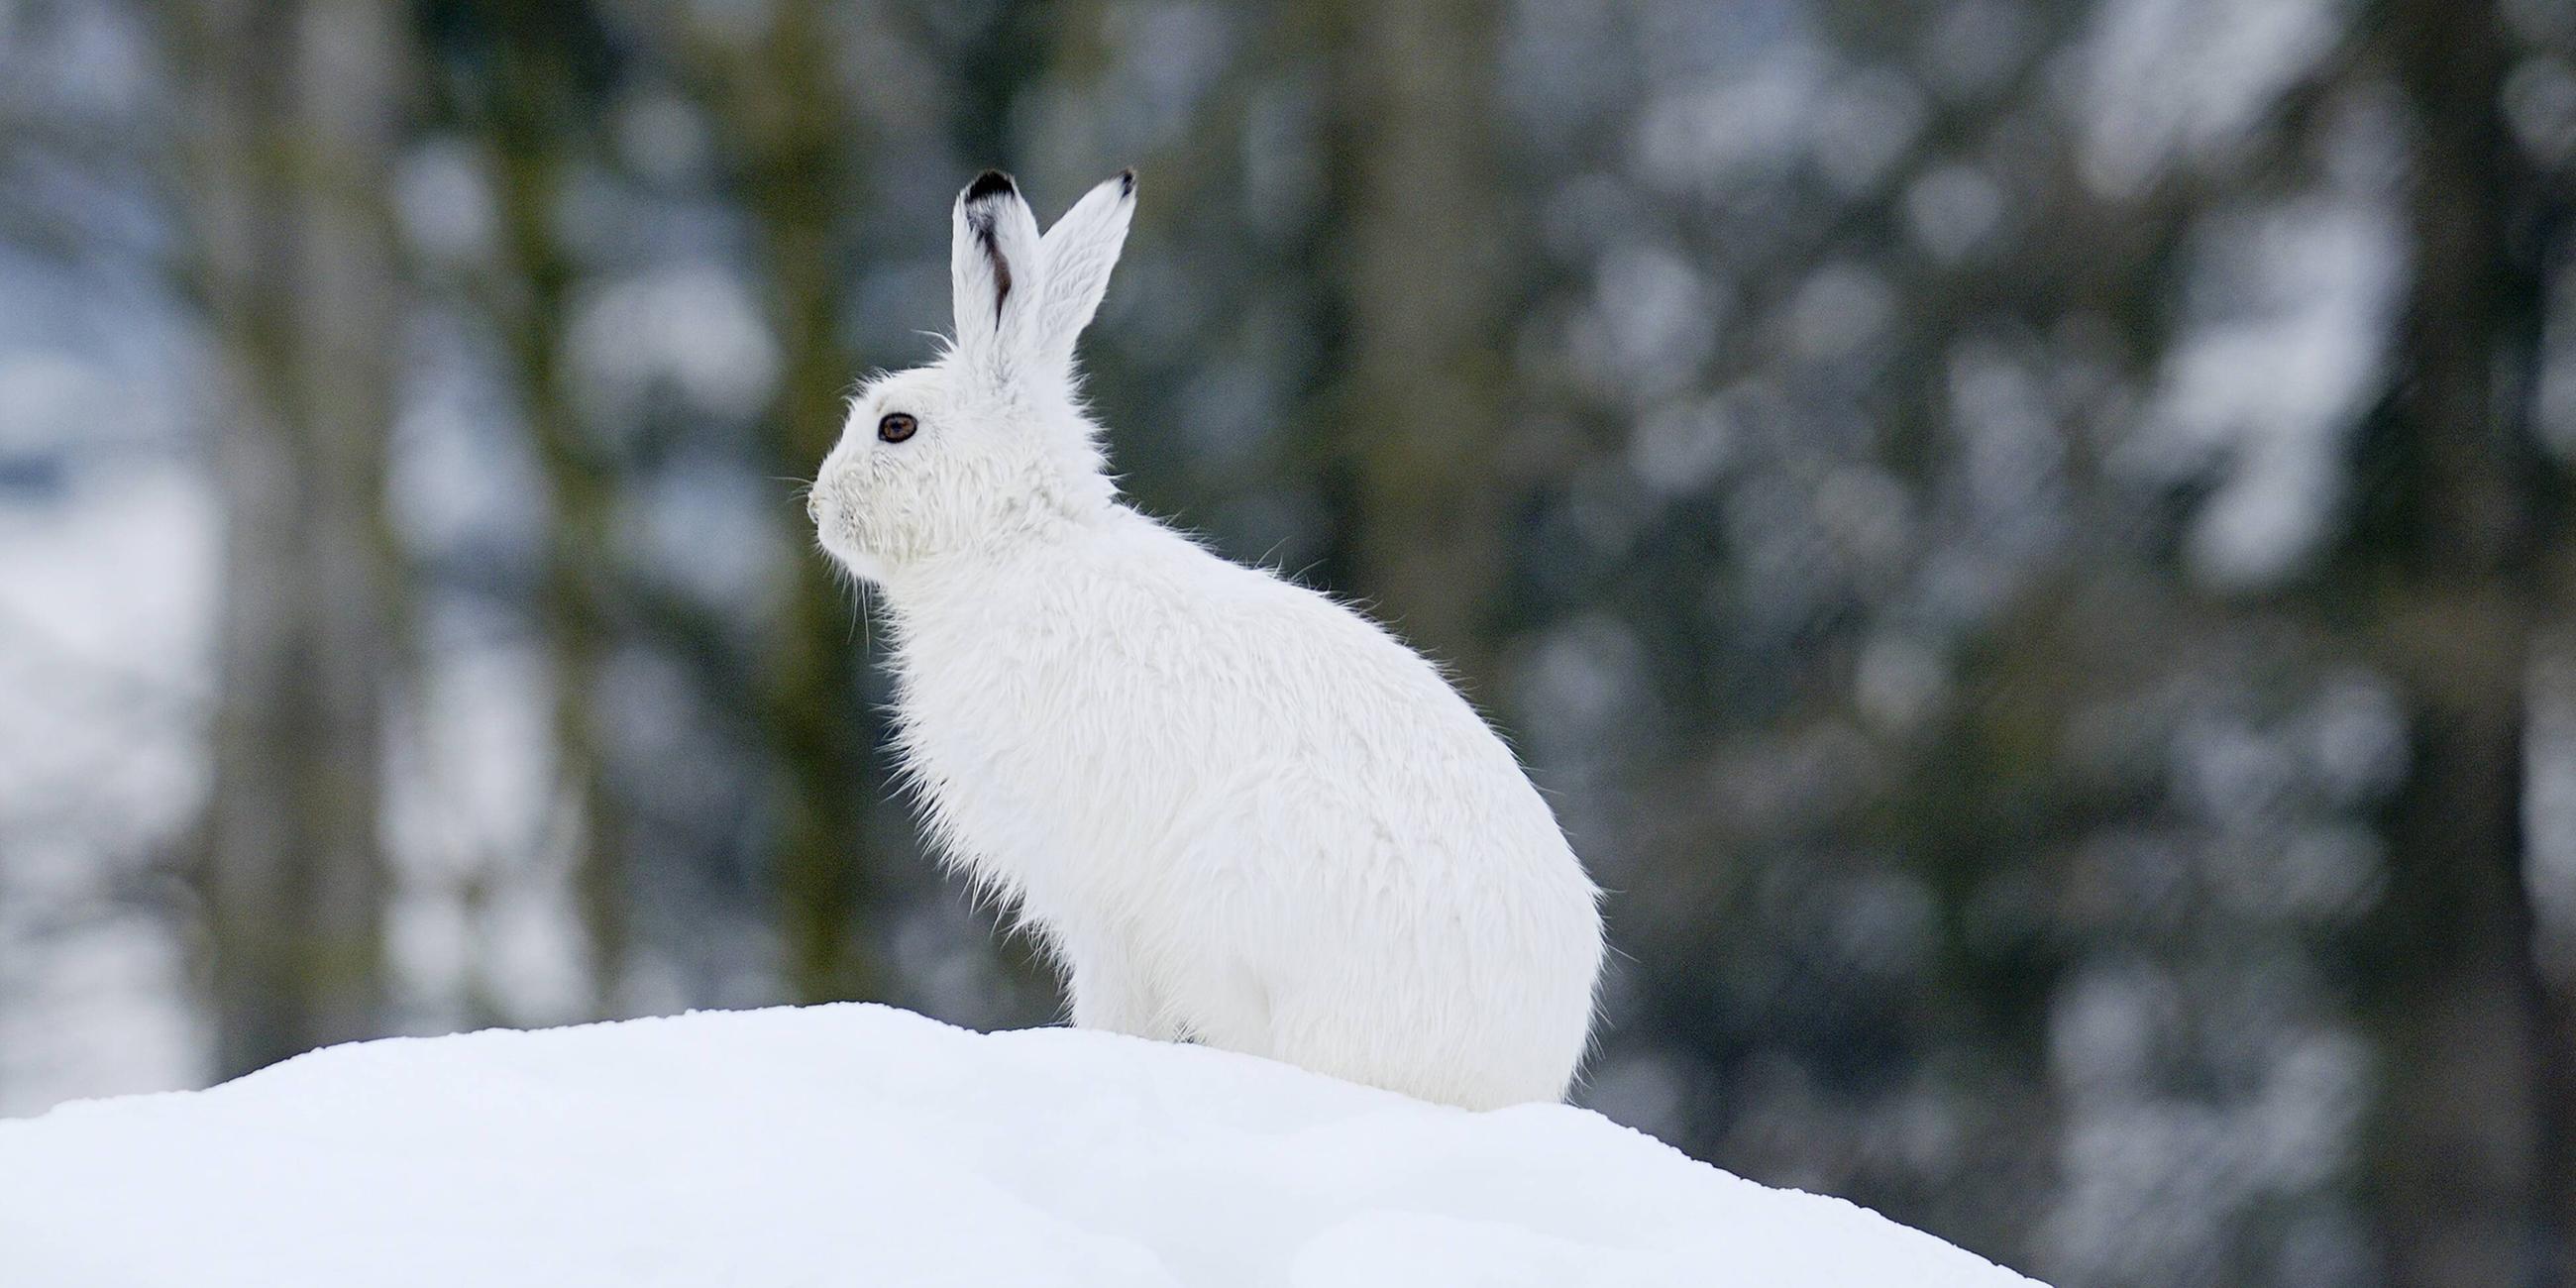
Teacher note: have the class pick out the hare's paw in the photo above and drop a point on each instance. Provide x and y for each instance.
(1112, 996)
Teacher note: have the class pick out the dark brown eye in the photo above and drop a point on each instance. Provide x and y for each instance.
(896, 427)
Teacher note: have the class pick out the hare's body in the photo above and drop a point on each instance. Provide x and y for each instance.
(1243, 814)
(1237, 811)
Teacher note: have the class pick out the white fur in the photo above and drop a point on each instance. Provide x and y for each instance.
(1237, 811)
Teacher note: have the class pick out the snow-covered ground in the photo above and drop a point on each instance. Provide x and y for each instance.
(862, 1145)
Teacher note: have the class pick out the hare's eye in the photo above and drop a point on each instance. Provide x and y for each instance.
(896, 427)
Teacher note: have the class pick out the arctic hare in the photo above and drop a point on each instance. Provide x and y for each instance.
(1237, 811)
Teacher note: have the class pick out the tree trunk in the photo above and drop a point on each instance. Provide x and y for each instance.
(532, 127)
(296, 124)
(2471, 1184)
(1421, 414)
(791, 122)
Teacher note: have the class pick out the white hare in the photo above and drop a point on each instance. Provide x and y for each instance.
(1237, 811)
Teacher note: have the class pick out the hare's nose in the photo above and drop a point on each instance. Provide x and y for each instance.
(813, 505)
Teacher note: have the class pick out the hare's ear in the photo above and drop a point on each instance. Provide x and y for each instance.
(997, 273)
(1080, 250)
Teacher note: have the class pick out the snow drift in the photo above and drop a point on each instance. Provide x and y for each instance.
(858, 1145)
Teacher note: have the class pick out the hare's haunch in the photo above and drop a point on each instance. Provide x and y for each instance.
(1237, 811)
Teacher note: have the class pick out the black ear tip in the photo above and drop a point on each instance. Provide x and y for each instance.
(991, 183)
(1127, 182)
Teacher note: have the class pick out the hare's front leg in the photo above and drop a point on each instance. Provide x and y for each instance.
(1111, 994)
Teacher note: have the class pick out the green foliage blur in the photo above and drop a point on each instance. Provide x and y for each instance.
(2027, 540)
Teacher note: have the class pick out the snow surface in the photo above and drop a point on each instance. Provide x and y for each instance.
(854, 1144)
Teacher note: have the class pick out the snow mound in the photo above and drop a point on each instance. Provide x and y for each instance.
(850, 1145)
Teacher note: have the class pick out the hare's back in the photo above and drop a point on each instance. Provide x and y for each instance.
(1150, 681)
(1293, 676)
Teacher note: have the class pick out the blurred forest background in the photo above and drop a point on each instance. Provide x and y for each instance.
(2028, 540)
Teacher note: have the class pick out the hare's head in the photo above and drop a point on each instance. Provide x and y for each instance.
(989, 442)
